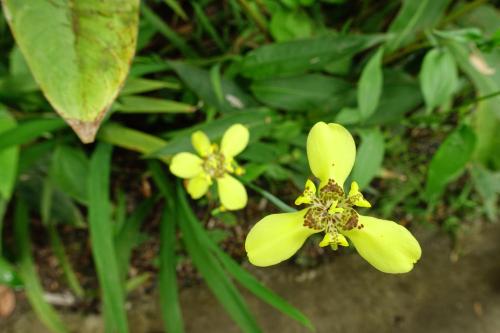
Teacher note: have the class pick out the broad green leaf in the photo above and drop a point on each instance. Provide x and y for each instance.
(401, 94)
(449, 161)
(29, 275)
(414, 17)
(102, 241)
(198, 80)
(297, 57)
(79, 53)
(301, 93)
(142, 104)
(370, 85)
(438, 77)
(69, 171)
(369, 157)
(8, 159)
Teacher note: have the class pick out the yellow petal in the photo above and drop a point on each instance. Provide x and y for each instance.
(308, 194)
(232, 193)
(198, 186)
(331, 152)
(276, 238)
(386, 245)
(201, 143)
(234, 140)
(186, 165)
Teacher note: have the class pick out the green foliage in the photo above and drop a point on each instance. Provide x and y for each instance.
(416, 82)
(93, 53)
(449, 161)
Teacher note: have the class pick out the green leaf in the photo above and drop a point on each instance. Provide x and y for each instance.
(135, 85)
(370, 85)
(487, 113)
(177, 8)
(142, 104)
(130, 235)
(401, 94)
(130, 139)
(212, 271)
(167, 277)
(369, 157)
(297, 57)
(449, 161)
(438, 77)
(414, 17)
(69, 171)
(8, 159)
(487, 184)
(28, 130)
(102, 241)
(242, 276)
(302, 93)
(29, 275)
(199, 81)
(8, 274)
(166, 31)
(290, 25)
(255, 120)
(62, 258)
(79, 53)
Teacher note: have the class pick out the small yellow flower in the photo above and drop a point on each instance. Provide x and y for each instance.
(331, 151)
(214, 163)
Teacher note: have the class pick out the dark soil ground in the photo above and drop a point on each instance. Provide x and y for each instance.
(452, 289)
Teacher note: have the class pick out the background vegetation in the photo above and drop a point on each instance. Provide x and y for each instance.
(417, 82)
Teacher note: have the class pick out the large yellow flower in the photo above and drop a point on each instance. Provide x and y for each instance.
(214, 163)
(331, 151)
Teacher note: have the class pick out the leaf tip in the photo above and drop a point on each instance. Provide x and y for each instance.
(86, 130)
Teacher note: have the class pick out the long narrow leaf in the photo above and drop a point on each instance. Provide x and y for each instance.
(28, 273)
(29, 130)
(212, 271)
(169, 297)
(101, 236)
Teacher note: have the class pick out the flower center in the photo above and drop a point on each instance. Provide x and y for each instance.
(214, 164)
(331, 211)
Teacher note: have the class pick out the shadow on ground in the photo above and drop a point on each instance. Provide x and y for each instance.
(446, 292)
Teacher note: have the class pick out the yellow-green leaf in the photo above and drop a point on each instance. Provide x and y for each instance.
(78, 51)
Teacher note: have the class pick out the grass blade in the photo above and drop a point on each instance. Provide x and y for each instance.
(205, 261)
(212, 271)
(29, 130)
(166, 31)
(28, 274)
(69, 273)
(169, 297)
(128, 237)
(101, 236)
